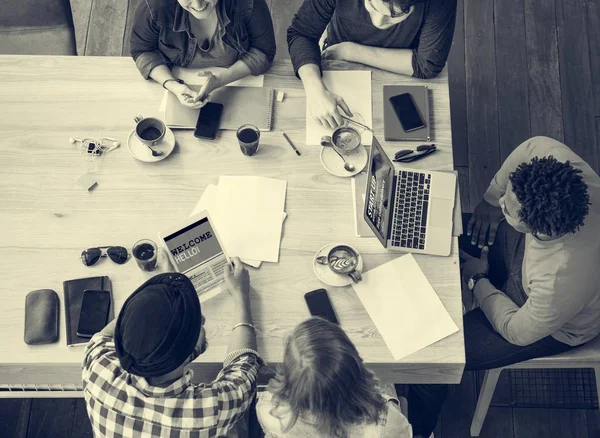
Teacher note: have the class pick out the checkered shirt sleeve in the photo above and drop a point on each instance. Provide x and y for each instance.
(120, 404)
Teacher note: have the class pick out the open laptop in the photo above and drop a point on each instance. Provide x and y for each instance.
(409, 210)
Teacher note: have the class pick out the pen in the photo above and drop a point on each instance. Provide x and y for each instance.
(290, 142)
(358, 123)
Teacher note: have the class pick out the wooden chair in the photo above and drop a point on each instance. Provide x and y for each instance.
(33, 27)
(586, 356)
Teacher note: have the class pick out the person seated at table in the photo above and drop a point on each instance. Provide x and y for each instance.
(235, 34)
(323, 389)
(135, 380)
(409, 37)
(538, 284)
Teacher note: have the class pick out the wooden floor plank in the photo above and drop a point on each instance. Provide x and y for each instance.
(107, 26)
(576, 80)
(282, 13)
(51, 418)
(458, 90)
(593, 24)
(81, 10)
(459, 407)
(511, 75)
(498, 422)
(82, 427)
(14, 417)
(550, 423)
(545, 102)
(593, 423)
(482, 108)
(132, 6)
(463, 183)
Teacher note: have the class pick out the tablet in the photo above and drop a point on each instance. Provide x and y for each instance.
(194, 249)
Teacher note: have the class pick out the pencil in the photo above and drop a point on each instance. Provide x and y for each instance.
(290, 142)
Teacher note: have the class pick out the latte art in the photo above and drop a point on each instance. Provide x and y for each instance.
(342, 261)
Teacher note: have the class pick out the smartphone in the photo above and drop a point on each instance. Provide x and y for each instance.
(95, 308)
(319, 305)
(208, 120)
(407, 112)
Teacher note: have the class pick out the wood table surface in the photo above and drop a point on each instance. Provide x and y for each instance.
(47, 219)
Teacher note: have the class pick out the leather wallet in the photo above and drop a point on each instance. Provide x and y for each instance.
(41, 317)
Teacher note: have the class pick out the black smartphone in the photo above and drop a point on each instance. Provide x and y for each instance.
(319, 305)
(209, 120)
(95, 308)
(407, 112)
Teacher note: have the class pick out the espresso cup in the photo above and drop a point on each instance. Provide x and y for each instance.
(342, 260)
(344, 140)
(149, 130)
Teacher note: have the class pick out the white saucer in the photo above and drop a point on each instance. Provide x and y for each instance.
(143, 153)
(333, 164)
(326, 275)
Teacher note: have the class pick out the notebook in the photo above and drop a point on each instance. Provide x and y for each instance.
(73, 291)
(392, 128)
(241, 105)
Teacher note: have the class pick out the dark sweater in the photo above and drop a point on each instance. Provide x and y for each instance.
(427, 32)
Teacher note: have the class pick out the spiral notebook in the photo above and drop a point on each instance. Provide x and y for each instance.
(241, 105)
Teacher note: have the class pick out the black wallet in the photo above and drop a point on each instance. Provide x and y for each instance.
(41, 317)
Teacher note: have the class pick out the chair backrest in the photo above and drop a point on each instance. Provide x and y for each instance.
(34, 27)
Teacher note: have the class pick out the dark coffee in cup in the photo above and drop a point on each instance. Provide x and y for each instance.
(150, 133)
(149, 130)
(249, 138)
(145, 253)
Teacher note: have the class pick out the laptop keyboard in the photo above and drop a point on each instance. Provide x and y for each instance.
(412, 202)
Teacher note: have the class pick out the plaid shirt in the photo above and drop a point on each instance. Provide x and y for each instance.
(123, 405)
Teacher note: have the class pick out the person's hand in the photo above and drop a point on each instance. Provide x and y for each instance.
(185, 95)
(473, 265)
(237, 279)
(485, 221)
(338, 52)
(212, 83)
(323, 106)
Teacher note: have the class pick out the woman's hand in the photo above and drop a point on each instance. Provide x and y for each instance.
(340, 52)
(323, 106)
(185, 95)
(213, 82)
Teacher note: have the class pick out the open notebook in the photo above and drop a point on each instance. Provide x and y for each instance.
(241, 105)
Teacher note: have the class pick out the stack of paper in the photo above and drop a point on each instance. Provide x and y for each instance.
(248, 212)
(404, 307)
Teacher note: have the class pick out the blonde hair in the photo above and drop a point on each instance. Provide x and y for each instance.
(323, 376)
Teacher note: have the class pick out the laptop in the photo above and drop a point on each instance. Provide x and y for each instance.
(409, 210)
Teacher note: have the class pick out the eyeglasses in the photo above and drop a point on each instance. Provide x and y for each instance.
(409, 155)
(117, 254)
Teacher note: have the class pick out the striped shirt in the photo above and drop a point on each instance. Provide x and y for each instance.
(123, 405)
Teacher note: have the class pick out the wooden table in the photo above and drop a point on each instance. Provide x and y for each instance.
(47, 220)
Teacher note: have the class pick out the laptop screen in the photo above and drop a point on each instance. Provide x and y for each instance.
(379, 192)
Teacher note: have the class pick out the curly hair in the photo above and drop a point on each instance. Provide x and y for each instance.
(553, 196)
(323, 376)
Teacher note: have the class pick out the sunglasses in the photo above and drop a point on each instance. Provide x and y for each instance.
(409, 155)
(117, 254)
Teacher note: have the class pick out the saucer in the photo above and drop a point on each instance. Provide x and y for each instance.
(326, 275)
(333, 164)
(141, 152)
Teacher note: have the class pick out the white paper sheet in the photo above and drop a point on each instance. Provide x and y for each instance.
(355, 88)
(190, 76)
(245, 194)
(404, 307)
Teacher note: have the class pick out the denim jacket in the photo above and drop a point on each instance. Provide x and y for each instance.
(161, 35)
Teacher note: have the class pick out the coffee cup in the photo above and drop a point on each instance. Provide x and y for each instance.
(149, 130)
(344, 140)
(145, 253)
(249, 138)
(342, 260)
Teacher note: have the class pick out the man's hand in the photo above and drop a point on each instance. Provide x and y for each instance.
(339, 52)
(237, 280)
(485, 221)
(323, 106)
(473, 265)
(212, 83)
(186, 95)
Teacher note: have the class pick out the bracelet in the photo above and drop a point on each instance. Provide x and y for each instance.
(172, 79)
(244, 324)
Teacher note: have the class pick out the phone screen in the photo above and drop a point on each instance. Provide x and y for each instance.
(95, 308)
(319, 305)
(208, 120)
(407, 112)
